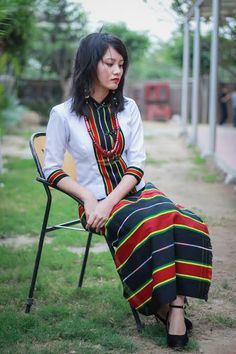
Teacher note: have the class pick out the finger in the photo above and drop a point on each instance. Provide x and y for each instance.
(95, 222)
(101, 224)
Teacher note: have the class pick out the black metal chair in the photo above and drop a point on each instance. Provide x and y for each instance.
(37, 145)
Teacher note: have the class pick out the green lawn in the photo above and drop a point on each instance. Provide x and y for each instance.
(63, 319)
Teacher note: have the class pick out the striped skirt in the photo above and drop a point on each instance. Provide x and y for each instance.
(161, 249)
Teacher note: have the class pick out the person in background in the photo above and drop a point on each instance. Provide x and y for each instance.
(162, 250)
(233, 102)
(223, 99)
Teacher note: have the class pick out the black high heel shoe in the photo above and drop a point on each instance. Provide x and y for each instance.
(176, 341)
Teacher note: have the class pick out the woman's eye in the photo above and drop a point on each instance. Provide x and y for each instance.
(108, 64)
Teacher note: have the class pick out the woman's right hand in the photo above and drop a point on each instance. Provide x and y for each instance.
(90, 203)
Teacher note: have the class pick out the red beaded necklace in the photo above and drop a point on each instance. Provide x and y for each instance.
(104, 152)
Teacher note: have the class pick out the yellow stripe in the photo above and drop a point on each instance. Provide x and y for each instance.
(132, 202)
(140, 289)
(192, 276)
(163, 213)
(156, 233)
(144, 302)
(147, 219)
(196, 264)
(164, 282)
(164, 267)
(192, 228)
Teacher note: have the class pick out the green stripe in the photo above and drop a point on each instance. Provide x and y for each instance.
(132, 202)
(191, 262)
(153, 234)
(163, 266)
(165, 282)
(193, 278)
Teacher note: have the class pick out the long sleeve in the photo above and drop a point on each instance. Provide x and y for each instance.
(57, 135)
(135, 153)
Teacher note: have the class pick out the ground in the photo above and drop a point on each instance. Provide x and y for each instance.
(179, 172)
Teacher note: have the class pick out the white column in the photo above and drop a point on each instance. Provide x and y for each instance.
(196, 76)
(185, 76)
(213, 77)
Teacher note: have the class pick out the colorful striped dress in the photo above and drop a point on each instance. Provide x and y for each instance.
(161, 249)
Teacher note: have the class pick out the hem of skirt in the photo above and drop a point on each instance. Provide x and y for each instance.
(150, 309)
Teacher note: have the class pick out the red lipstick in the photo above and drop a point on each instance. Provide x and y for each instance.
(116, 81)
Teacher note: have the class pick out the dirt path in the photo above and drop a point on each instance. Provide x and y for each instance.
(171, 168)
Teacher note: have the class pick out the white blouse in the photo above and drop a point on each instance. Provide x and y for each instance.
(67, 131)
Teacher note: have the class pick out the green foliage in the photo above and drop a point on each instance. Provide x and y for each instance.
(227, 36)
(16, 33)
(137, 43)
(91, 320)
(20, 176)
(11, 112)
(61, 24)
(182, 7)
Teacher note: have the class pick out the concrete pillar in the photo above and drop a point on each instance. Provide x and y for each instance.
(196, 76)
(213, 77)
(185, 77)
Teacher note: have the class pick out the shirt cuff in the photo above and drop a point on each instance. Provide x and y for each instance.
(56, 176)
(135, 172)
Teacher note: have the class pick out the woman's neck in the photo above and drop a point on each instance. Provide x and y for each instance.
(99, 95)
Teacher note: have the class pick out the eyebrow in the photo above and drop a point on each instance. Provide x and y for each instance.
(113, 59)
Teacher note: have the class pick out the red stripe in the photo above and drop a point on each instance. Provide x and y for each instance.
(55, 175)
(194, 270)
(81, 211)
(144, 194)
(105, 174)
(141, 296)
(120, 205)
(158, 222)
(164, 274)
(146, 292)
(135, 172)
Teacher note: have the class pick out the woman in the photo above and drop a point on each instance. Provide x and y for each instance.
(163, 251)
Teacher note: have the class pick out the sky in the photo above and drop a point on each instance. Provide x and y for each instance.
(153, 16)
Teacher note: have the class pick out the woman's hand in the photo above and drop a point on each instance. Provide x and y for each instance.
(99, 215)
(90, 203)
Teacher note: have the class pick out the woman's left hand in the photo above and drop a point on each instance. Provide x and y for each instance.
(100, 214)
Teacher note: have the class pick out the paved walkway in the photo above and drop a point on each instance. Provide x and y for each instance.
(225, 155)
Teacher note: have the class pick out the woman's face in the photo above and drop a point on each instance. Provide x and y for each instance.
(109, 71)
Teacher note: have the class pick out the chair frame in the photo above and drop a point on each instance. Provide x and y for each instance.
(66, 225)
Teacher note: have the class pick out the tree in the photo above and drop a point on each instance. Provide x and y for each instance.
(181, 7)
(62, 23)
(227, 37)
(137, 43)
(17, 23)
(16, 29)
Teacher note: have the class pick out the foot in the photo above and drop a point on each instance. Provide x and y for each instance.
(177, 335)
(176, 321)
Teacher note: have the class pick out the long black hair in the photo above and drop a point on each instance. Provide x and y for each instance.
(91, 50)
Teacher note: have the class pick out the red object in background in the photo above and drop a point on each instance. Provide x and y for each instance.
(157, 101)
(155, 111)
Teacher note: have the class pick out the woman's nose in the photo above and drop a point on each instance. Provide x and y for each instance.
(117, 69)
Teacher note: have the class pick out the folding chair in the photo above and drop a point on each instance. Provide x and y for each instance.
(37, 145)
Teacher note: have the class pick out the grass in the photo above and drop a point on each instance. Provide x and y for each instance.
(95, 316)
(64, 318)
(201, 169)
(23, 203)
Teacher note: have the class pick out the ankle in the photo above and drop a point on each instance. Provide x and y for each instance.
(179, 301)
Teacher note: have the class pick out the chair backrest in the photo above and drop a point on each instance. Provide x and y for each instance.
(37, 146)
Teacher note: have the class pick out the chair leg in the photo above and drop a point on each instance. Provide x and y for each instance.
(139, 324)
(29, 301)
(85, 259)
